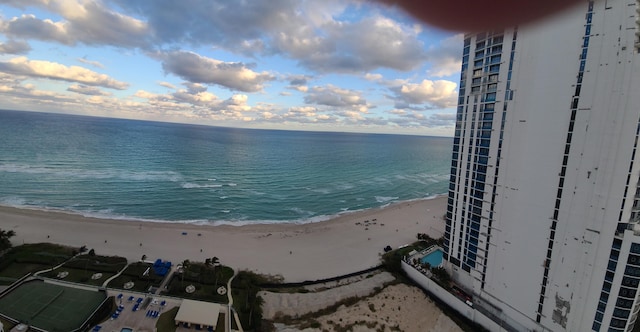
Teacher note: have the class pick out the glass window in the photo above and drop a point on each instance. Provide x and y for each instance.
(494, 68)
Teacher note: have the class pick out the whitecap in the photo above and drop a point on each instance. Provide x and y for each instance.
(190, 185)
(384, 199)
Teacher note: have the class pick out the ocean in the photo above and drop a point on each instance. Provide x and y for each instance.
(167, 172)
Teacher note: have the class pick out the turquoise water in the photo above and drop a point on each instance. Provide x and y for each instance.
(434, 259)
(125, 169)
(126, 329)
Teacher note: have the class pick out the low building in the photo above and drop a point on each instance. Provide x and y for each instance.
(198, 313)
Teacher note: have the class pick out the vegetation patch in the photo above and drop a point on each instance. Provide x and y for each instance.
(206, 280)
(29, 258)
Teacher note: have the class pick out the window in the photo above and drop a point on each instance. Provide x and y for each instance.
(490, 96)
(477, 72)
(492, 87)
(495, 59)
(476, 80)
(480, 44)
(494, 68)
(493, 78)
(479, 54)
(477, 63)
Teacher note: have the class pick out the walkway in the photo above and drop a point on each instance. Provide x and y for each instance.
(106, 282)
(230, 298)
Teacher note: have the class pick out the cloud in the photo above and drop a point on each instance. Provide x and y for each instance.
(91, 63)
(381, 43)
(305, 31)
(372, 77)
(297, 80)
(198, 69)
(14, 47)
(421, 120)
(83, 22)
(87, 90)
(336, 97)
(426, 94)
(56, 71)
(167, 85)
(445, 58)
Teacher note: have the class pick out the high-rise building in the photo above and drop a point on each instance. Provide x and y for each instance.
(543, 221)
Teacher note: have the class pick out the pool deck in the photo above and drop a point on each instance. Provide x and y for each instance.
(420, 254)
(136, 320)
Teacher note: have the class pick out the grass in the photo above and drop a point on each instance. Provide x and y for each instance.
(50, 307)
(166, 321)
(134, 273)
(206, 279)
(8, 325)
(78, 275)
(28, 258)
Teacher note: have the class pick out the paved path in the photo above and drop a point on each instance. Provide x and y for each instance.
(235, 314)
(106, 282)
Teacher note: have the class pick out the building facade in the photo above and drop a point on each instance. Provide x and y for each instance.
(543, 220)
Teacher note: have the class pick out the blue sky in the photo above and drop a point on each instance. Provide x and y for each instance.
(283, 64)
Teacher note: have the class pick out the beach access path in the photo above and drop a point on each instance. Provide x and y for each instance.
(348, 243)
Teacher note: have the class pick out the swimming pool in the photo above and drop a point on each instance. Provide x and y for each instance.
(434, 258)
(126, 329)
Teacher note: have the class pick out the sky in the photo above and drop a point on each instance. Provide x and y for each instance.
(347, 66)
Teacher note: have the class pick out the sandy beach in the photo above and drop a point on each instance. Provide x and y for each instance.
(345, 244)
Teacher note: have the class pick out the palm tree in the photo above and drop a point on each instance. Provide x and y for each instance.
(4, 238)
(185, 266)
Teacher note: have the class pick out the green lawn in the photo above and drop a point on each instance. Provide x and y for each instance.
(27, 258)
(79, 276)
(134, 273)
(206, 279)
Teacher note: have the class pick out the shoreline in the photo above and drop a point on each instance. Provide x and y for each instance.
(206, 222)
(298, 251)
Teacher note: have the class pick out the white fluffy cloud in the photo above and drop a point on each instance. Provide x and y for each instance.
(426, 94)
(56, 71)
(381, 43)
(198, 69)
(335, 97)
(84, 21)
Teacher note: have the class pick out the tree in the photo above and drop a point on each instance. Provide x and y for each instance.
(5, 243)
(92, 253)
(185, 266)
(143, 257)
(441, 274)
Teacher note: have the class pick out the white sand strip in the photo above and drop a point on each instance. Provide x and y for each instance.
(298, 252)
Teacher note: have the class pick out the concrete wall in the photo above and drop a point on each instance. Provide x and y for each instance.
(451, 300)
